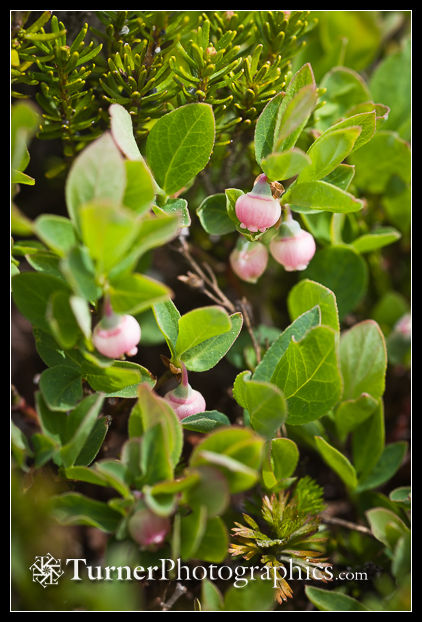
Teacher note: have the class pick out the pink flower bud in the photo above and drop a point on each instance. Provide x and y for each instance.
(404, 326)
(148, 529)
(249, 260)
(121, 337)
(294, 249)
(258, 210)
(192, 404)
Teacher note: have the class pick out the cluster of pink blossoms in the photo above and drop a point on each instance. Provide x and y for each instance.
(257, 211)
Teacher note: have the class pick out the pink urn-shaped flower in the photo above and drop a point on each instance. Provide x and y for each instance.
(184, 400)
(258, 210)
(294, 248)
(148, 529)
(249, 260)
(116, 334)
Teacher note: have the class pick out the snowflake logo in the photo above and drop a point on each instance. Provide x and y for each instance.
(46, 570)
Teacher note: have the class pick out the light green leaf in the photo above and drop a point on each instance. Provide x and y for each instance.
(308, 374)
(337, 461)
(264, 402)
(307, 294)
(199, 325)
(343, 271)
(31, 292)
(135, 293)
(61, 387)
(139, 192)
(179, 145)
(330, 600)
(97, 173)
(327, 152)
(387, 465)
(380, 237)
(279, 166)
(363, 360)
(212, 213)
(56, 232)
(297, 329)
(73, 508)
(167, 317)
(208, 353)
(206, 421)
(80, 422)
(368, 442)
(318, 195)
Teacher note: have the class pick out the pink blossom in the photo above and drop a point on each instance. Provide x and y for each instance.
(148, 529)
(258, 210)
(122, 338)
(192, 404)
(249, 260)
(293, 252)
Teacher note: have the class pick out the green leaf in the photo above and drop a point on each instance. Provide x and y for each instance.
(93, 443)
(264, 402)
(326, 600)
(387, 465)
(257, 595)
(297, 329)
(53, 423)
(73, 508)
(151, 409)
(211, 598)
(108, 231)
(211, 491)
(341, 176)
(192, 529)
(337, 461)
(379, 520)
(327, 152)
(372, 172)
(79, 425)
(208, 353)
(212, 213)
(61, 387)
(205, 422)
(380, 237)
(56, 232)
(345, 88)
(156, 464)
(215, 541)
(351, 413)
(135, 293)
(79, 270)
(236, 451)
(295, 115)
(308, 374)
(98, 173)
(285, 456)
(280, 110)
(152, 231)
(122, 132)
(366, 121)
(343, 271)
(117, 377)
(31, 292)
(139, 192)
(167, 317)
(62, 320)
(175, 207)
(279, 166)
(318, 195)
(199, 325)
(179, 145)
(394, 69)
(368, 442)
(307, 294)
(363, 361)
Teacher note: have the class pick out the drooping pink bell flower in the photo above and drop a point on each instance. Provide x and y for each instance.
(148, 529)
(258, 210)
(184, 400)
(116, 334)
(249, 260)
(294, 248)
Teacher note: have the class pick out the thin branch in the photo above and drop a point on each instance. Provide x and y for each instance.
(333, 520)
(178, 591)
